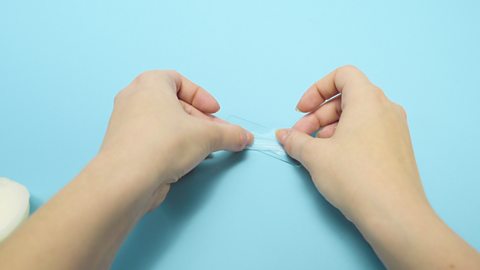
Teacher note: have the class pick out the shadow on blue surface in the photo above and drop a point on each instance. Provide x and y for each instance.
(156, 232)
(159, 229)
(35, 203)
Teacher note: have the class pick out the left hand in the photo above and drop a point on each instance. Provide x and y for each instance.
(162, 126)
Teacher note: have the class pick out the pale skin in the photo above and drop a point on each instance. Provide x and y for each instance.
(361, 161)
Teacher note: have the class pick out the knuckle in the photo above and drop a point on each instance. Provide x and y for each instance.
(150, 76)
(172, 72)
(401, 109)
(351, 74)
(154, 80)
(377, 94)
(348, 69)
(119, 96)
(143, 77)
(187, 108)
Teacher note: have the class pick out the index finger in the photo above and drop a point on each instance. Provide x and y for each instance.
(342, 80)
(193, 94)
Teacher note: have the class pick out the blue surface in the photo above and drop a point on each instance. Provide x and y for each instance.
(61, 62)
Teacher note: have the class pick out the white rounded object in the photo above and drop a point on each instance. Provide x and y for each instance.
(14, 206)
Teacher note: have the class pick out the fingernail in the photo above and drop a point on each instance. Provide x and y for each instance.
(282, 135)
(245, 139)
(250, 138)
(297, 109)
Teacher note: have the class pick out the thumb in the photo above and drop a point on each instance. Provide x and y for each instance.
(230, 137)
(297, 144)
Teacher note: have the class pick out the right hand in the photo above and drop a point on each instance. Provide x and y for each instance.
(363, 163)
(362, 160)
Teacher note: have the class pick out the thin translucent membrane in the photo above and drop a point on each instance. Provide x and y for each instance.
(265, 141)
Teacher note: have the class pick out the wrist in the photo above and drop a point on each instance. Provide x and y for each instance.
(399, 229)
(128, 182)
(142, 170)
(397, 219)
(385, 198)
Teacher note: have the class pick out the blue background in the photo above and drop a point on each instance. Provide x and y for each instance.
(61, 63)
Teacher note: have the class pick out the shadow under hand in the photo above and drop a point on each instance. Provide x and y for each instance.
(158, 230)
(35, 203)
(338, 223)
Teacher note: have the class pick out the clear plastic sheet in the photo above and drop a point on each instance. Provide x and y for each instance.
(265, 141)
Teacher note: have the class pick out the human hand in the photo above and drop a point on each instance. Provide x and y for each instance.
(362, 160)
(363, 163)
(162, 126)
